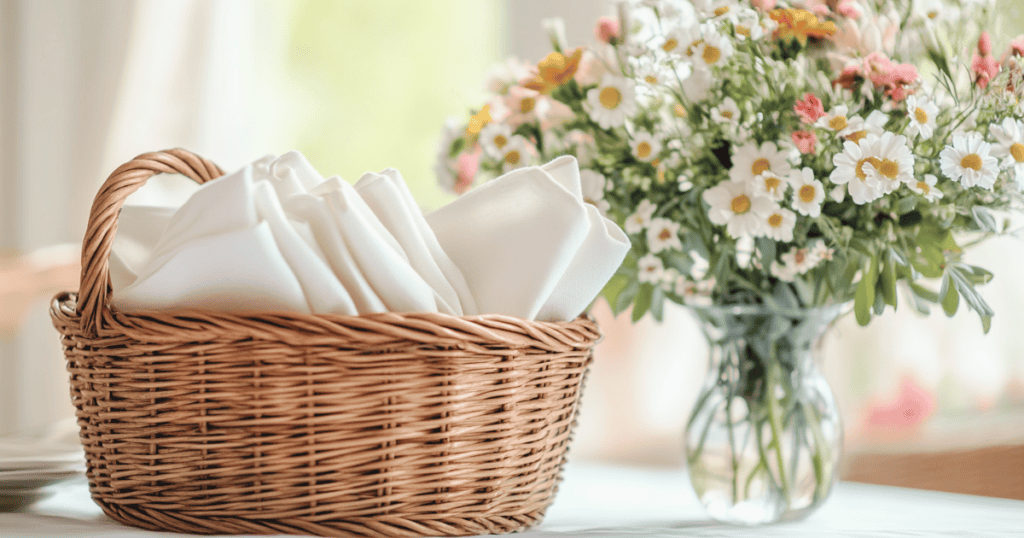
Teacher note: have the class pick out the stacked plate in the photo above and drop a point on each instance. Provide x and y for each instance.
(28, 464)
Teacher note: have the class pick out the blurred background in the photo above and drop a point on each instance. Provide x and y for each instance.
(363, 85)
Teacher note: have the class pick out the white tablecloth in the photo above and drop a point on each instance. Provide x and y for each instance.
(602, 500)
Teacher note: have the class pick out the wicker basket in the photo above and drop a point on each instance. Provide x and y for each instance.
(376, 425)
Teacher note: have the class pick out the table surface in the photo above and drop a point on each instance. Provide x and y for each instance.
(603, 500)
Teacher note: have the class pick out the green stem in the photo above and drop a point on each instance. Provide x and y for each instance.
(775, 423)
(822, 451)
(732, 447)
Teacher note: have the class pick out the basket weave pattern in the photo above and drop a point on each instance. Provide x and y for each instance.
(376, 425)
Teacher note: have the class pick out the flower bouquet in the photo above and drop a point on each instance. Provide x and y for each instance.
(773, 163)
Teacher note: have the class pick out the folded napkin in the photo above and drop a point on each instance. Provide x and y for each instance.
(528, 245)
(273, 236)
(276, 235)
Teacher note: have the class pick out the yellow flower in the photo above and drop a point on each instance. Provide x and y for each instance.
(478, 120)
(554, 70)
(800, 24)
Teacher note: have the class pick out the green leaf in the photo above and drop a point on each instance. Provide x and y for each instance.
(658, 303)
(785, 297)
(986, 323)
(974, 300)
(626, 297)
(924, 293)
(864, 298)
(906, 205)
(888, 282)
(613, 288)
(642, 302)
(950, 297)
(984, 219)
(918, 303)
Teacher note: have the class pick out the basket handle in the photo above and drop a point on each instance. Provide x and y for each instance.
(94, 289)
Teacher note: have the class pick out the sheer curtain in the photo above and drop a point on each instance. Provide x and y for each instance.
(85, 86)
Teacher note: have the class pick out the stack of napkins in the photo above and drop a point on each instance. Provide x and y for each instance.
(276, 236)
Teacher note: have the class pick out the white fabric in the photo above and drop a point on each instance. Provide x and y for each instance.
(513, 238)
(597, 259)
(387, 203)
(524, 245)
(529, 245)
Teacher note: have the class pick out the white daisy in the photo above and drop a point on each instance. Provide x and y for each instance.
(820, 252)
(839, 121)
(922, 113)
(750, 161)
(800, 260)
(640, 218)
(675, 41)
(926, 187)
(645, 146)
(727, 112)
(663, 234)
(652, 74)
(969, 162)
(712, 50)
(684, 184)
(515, 153)
(612, 101)
(783, 272)
(778, 224)
(1009, 146)
(874, 166)
(748, 25)
(769, 184)
(593, 185)
(808, 193)
(736, 205)
(494, 137)
(525, 105)
(650, 269)
(873, 124)
(895, 162)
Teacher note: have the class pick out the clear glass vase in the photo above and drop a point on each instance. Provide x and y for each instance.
(764, 440)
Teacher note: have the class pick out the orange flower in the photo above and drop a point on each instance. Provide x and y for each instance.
(555, 70)
(800, 24)
(478, 120)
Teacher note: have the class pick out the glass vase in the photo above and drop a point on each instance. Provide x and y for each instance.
(764, 440)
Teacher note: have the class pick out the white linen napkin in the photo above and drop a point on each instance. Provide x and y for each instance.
(375, 251)
(215, 253)
(276, 235)
(513, 238)
(384, 198)
(528, 245)
(597, 259)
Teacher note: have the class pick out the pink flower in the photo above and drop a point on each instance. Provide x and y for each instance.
(810, 109)
(466, 168)
(911, 407)
(983, 63)
(1016, 46)
(848, 9)
(764, 5)
(985, 44)
(885, 75)
(878, 68)
(848, 77)
(607, 30)
(805, 141)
